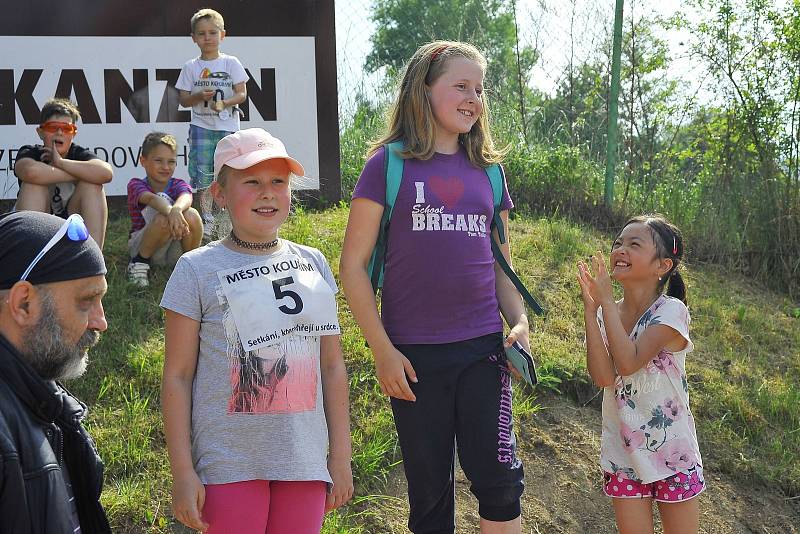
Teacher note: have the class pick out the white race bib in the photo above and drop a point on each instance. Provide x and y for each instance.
(276, 297)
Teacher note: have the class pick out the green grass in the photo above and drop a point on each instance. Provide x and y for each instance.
(744, 373)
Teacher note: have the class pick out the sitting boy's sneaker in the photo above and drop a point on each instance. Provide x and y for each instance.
(137, 274)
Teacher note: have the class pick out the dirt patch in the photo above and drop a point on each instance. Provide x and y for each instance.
(559, 447)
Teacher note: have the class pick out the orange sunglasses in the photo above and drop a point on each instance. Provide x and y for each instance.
(54, 126)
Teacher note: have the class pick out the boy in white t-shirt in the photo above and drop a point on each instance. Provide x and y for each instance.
(212, 84)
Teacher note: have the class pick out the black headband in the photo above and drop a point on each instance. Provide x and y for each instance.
(24, 234)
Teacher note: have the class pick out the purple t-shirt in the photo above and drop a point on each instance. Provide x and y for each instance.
(438, 282)
(136, 186)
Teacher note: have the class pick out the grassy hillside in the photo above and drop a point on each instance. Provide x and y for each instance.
(744, 374)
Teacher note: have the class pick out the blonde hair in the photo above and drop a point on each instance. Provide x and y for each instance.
(207, 13)
(153, 139)
(222, 176)
(411, 117)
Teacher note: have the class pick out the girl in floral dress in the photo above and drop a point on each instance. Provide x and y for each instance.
(636, 350)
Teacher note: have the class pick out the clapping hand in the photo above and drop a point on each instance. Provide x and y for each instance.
(595, 289)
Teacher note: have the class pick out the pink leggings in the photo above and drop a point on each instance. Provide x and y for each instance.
(265, 507)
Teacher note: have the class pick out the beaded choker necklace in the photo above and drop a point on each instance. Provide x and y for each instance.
(253, 246)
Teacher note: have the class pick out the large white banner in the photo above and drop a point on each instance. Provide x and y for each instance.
(121, 86)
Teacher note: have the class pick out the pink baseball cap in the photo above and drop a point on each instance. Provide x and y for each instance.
(245, 148)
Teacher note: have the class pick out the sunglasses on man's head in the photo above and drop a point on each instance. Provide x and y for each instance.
(75, 230)
(54, 126)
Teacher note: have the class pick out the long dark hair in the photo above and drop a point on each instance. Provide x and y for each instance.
(669, 244)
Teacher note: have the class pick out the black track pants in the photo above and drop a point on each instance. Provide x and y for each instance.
(464, 399)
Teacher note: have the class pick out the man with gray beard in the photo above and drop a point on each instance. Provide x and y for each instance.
(52, 280)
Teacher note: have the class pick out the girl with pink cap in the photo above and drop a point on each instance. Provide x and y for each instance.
(254, 390)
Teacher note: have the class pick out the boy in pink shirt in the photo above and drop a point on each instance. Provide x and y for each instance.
(163, 223)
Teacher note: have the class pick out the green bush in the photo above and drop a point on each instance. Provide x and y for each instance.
(357, 133)
(553, 180)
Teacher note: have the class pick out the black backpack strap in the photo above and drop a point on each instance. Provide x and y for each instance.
(497, 179)
(526, 295)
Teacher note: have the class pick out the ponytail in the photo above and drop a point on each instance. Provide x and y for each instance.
(676, 288)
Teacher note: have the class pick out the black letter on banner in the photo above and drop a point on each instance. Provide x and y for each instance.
(23, 96)
(263, 97)
(136, 100)
(168, 110)
(183, 154)
(114, 157)
(135, 157)
(97, 150)
(74, 80)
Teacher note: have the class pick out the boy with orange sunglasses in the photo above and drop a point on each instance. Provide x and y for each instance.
(60, 177)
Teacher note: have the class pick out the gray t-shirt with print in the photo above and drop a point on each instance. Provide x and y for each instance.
(256, 415)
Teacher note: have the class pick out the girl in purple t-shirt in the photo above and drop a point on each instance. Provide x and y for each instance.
(438, 343)
(636, 350)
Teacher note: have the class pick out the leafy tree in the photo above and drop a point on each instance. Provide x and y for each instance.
(649, 100)
(750, 49)
(577, 114)
(490, 25)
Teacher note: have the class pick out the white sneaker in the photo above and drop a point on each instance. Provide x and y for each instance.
(137, 274)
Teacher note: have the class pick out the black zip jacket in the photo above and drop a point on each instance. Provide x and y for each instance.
(41, 436)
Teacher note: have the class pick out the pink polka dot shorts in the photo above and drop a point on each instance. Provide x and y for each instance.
(675, 488)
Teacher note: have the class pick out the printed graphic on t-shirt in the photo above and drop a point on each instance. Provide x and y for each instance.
(57, 202)
(648, 427)
(434, 208)
(219, 82)
(59, 198)
(280, 378)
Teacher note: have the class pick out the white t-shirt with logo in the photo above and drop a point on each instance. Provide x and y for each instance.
(648, 427)
(219, 75)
